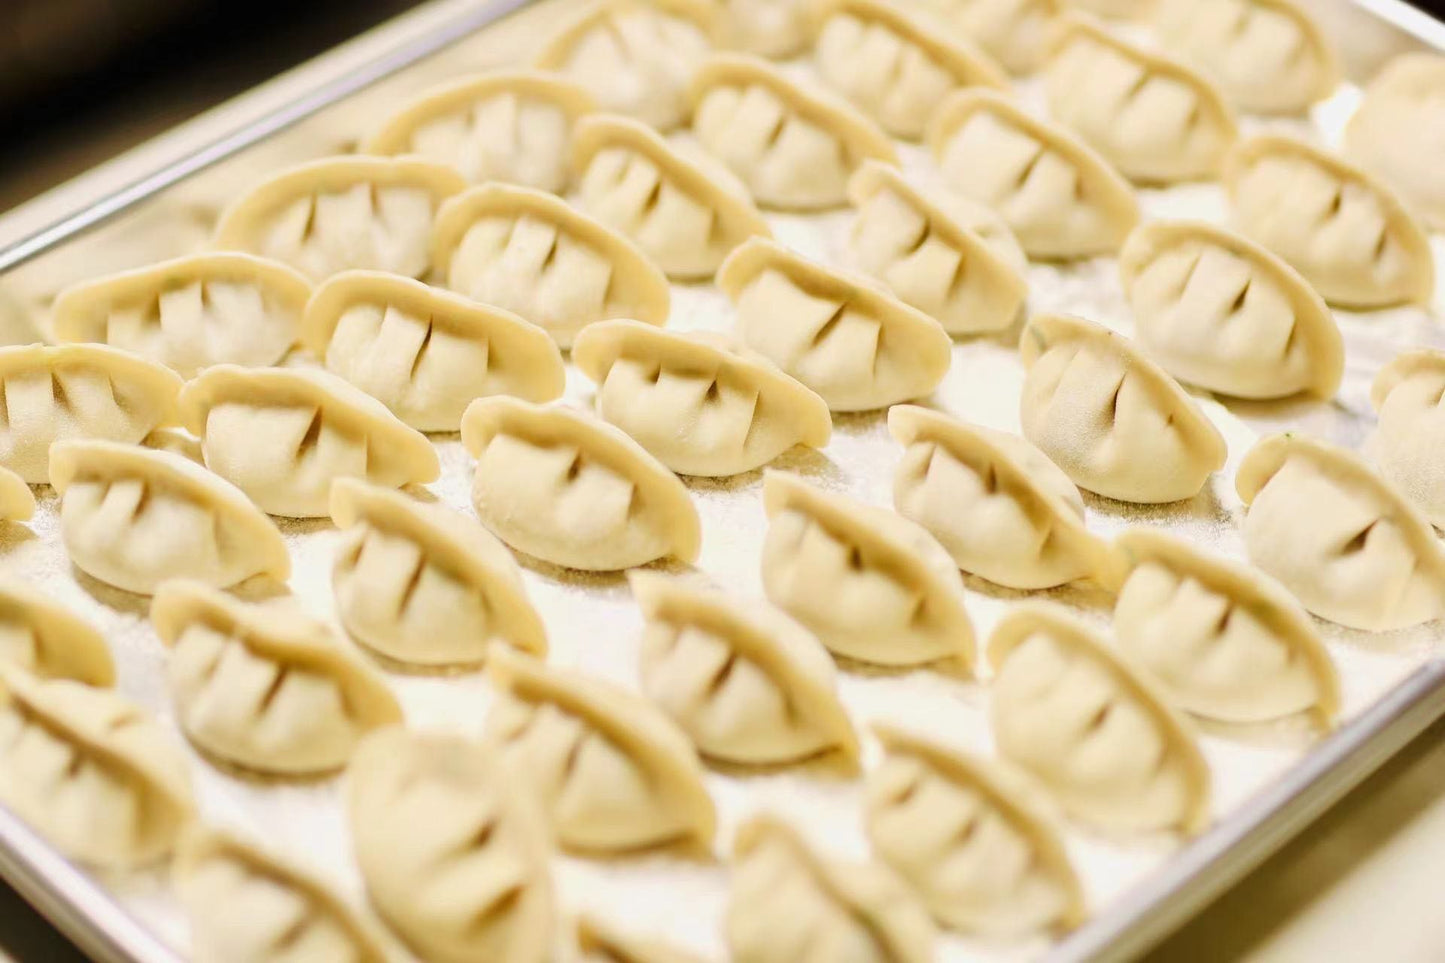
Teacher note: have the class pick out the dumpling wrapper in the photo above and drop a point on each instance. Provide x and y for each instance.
(343, 213)
(572, 490)
(610, 770)
(1409, 440)
(635, 57)
(1113, 420)
(1153, 118)
(793, 148)
(685, 213)
(423, 584)
(453, 851)
(600, 942)
(1346, 232)
(1061, 198)
(893, 66)
(77, 391)
(1219, 311)
(1094, 730)
(191, 312)
(996, 503)
(790, 904)
(971, 837)
(1268, 56)
(840, 334)
(1398, 131)
(745, 682)
(945, 255)
(769, 28)
(248, 905)
(872, 585)
(283, 435)
(264, 686)
(17, 501)
(534, 255)
(699, 403)
(1343, 540)
(90, 771)
(507, 125)
(424, 352)
(50, 641)
(1222, 639)
(133, 518)
(1016, 33)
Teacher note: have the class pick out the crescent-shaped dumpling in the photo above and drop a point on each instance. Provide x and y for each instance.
(1092, 728)
(1218, 311)
(869, 583)
(1409, 441)
(610, 770)
(423, 584)
(424, 352)
(572, 490)
(17, 501)
(343, 213)
(264, 686)
(1345, 541)
(90, 771)
(133, 517)
(839, 334)
(701, 404)
(1398, 131)
(995, 502)
(685, 213)
(50, 641)
(73, 391)
(283, 435)
(1114, 421)
(744, 681)
(534, 255)
(191, 312)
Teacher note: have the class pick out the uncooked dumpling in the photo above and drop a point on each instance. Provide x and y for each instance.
(264, 686)
(744, 681)
(133, 517)
(423, 584)
(790, 904)
(1346, 232)
(424, 352)
(610, 770)
(340, 213)
(893, 66)
(90, 771)
(17, 501)
(599, 942)
(1153, 118)
(793, 148)
(872, 585)
(945, 255)
(839, 334)
(77, 391)
(685, 213)
(1398, 131)
(1061, 198)
(247, 905)
(1093, 729)
(1218, 311)
(996, 503)
(1116, 423)
(48, 640)
(453, 852)
(191, 312)
(1223, 640)
(1268, 56)
(283, 435)
(1015, 32)
(572, 490)
(508, 125)
(635, 56)
(1346, 542)
(531, 253)
(1409, 441)
(970, 837)
(698, 402)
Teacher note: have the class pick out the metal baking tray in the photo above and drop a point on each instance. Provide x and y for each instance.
(149, 203)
